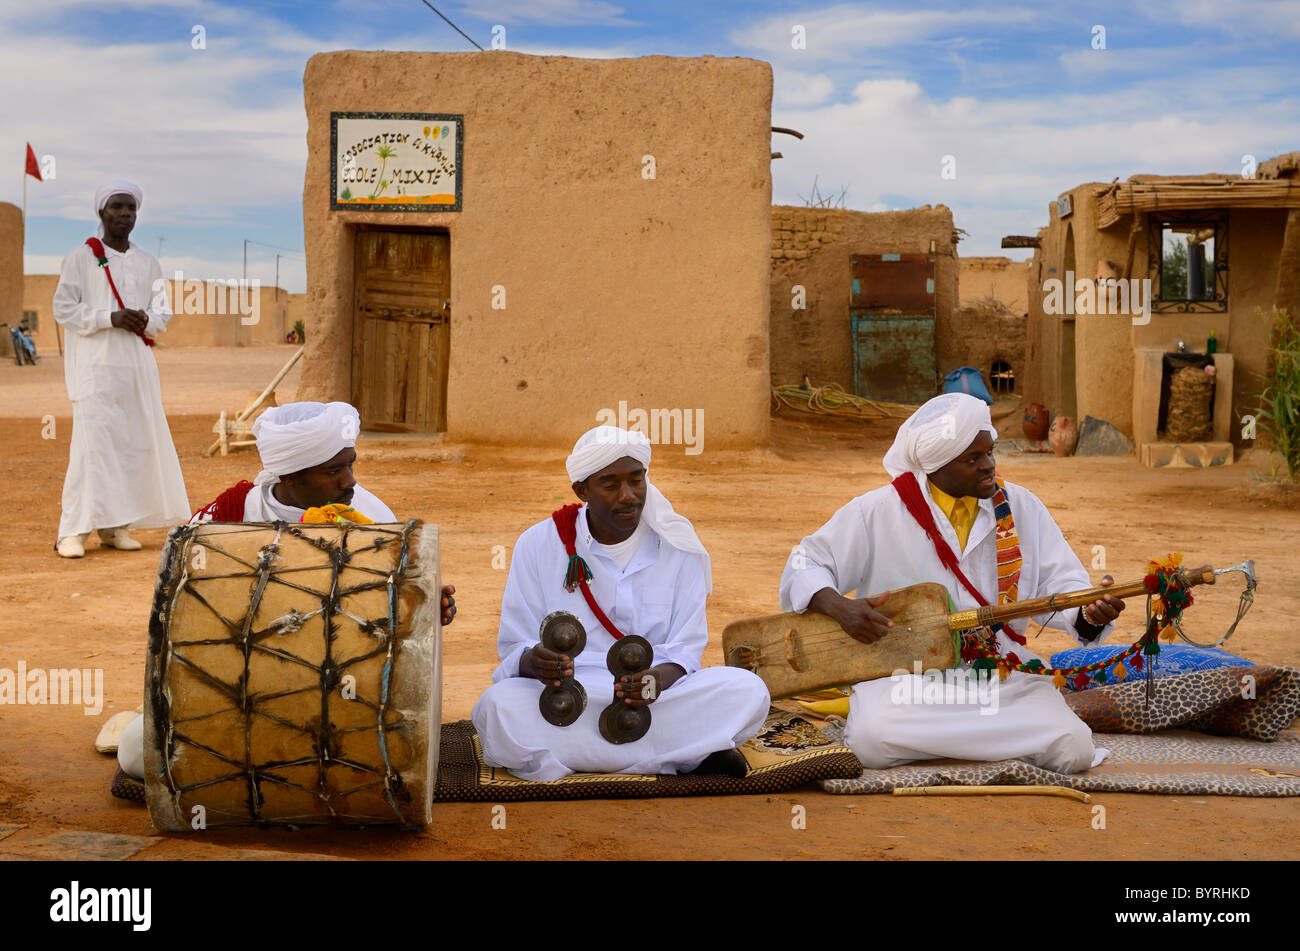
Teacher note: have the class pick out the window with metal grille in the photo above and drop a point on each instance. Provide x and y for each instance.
(1002, 377)
(32, 320)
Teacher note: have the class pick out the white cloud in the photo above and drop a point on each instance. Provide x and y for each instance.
(845, 31)
(580, 52)
(1244, 18)
(793, 88)
(1012, 154)
(548, 12)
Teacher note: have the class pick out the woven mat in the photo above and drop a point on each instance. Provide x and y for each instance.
(788, 752)
(1175, 762)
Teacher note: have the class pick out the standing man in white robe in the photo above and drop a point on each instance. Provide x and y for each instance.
(122, 466)
(875, 544)
(651, 577)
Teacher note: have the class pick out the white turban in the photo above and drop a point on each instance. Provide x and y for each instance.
(106, 191)
(605, 445)
(298, 436)
(938, 433)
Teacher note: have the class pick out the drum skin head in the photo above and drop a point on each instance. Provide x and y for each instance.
(294, 676)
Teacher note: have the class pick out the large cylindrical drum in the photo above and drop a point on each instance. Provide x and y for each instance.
(294, 676)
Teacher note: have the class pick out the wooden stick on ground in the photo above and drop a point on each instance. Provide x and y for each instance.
(252, 407)
(993, 791)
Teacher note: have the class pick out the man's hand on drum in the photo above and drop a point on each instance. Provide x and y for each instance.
(546, 665)
(448, 604)
(857, 616)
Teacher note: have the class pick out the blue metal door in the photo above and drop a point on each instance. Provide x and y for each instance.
(892, 315)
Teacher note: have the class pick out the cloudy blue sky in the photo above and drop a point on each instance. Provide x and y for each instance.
(1015, 92)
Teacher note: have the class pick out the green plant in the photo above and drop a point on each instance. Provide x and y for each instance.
(1279, 401)
(299, 331)
(385, 153)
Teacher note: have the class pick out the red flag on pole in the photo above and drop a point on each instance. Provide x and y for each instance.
(33, 167)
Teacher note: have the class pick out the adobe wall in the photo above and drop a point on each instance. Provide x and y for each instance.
(618, 287)
(812, 247)
(993, 278)
(1105, 344)
(221, 327)
(11, 268)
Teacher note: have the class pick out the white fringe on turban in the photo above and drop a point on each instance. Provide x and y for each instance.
(106, 191)
(297, 436)
(605, 445)
(938, 433)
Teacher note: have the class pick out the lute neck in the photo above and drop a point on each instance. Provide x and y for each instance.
(998, 613)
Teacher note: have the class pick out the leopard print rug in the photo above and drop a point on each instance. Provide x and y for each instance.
(1177, 762)
(1256, 702)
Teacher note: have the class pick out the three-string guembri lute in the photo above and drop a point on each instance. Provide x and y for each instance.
(801, 653)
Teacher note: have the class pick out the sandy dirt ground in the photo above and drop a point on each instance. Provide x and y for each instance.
(750, 509)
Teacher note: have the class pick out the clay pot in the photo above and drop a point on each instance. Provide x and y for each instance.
(1063, 435)
(1035, 421)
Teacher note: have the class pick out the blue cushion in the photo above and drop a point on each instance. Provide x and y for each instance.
(1172, 659)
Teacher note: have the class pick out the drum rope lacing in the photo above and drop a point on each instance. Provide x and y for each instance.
(242, 631)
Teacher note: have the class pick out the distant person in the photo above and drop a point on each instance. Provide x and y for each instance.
(122, 467)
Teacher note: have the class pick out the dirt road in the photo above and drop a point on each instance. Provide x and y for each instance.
(750, 509)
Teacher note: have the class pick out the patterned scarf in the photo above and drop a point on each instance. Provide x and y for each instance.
(1008, 544)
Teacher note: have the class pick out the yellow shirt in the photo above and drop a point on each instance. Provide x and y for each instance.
(961, 512)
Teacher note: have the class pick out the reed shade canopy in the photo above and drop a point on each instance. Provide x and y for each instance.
(1193, 194)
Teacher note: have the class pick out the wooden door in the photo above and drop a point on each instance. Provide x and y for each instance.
(892, 317)
(401, 330)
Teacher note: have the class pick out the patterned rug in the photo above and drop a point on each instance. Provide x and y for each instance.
(1176, 762)
(788, 752)
(1256, 702)
(1241, 706)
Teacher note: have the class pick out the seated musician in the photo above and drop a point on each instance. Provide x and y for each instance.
(650, 576)
(1004, 543)
(307, 457)
(307, 452)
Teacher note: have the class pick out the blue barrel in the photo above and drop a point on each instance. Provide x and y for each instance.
(967, 380)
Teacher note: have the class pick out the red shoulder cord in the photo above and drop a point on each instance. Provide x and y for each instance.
(578, 574)
(909, 490)
(229, 505)
(97, 249)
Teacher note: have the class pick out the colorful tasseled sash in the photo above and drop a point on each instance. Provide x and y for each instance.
(1008, 543)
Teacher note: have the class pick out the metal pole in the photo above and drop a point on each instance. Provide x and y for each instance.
(277, 277)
